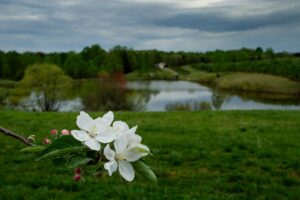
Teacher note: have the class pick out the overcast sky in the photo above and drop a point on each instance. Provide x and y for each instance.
(189, 25)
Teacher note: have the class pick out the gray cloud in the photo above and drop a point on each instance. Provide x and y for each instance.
(167, 25)
(217, 21)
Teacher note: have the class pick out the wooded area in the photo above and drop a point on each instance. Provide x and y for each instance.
(92, 61)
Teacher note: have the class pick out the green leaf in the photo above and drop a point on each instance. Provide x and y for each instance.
(34, 149)
(60, 152)
(65, 141)
(59, 162)
(77, 160)
(145, 171)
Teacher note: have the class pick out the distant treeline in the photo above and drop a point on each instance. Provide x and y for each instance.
(94, 60)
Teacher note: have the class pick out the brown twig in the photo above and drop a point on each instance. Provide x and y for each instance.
(16, 136)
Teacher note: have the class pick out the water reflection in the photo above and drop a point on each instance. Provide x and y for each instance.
(218, 98)
(182, 95)
(114, 93)
(107, 93)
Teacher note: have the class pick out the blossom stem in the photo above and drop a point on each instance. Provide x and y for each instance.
(16, 136)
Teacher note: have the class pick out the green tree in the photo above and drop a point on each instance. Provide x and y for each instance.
(113, 63)
(259, 53)
(6, 72)
(49, 84)
(53, 58)
(13, 62)
(76, 67)
(95, 55)
(127, 58)
(269, 53)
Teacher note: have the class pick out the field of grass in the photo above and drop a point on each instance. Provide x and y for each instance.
(196, 155)
(258, 83)
(190, 74)
(237, 81)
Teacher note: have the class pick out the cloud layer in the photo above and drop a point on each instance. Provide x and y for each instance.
(192, 25)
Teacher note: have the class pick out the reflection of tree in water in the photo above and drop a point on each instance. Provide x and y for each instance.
(107, 93)
(269, 98)
(217, 99)
(140, 98)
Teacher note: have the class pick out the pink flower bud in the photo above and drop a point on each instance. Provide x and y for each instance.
(77, 171)
(46, 141)
(53, 132)
(77, 177)
(65, 132)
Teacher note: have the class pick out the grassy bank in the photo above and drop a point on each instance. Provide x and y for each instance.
(249, 82)
(197, 155)
(258, 83)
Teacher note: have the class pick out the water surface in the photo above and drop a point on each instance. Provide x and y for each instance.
(162, 96)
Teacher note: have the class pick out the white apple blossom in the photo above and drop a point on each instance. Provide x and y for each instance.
(120, 128)
(93, 131)
(122, 156)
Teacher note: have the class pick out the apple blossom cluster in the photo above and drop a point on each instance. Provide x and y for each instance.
(100, 142)
(122, 145)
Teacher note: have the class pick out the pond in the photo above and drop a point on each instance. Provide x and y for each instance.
(163, 96)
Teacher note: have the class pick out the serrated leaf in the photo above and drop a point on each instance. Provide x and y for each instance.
(145, 171)
(65, 141)
(77, 160)
(60, 152)
(34, 149)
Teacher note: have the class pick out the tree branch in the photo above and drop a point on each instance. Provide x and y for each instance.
(16, 136)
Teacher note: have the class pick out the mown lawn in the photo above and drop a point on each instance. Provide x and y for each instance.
(196, 155)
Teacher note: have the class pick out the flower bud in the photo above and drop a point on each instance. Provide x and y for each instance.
(65, 132)
(53, 132)
(46, 141)
(77, 177)
(78, 171)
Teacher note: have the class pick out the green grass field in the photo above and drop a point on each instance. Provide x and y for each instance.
(247, 82)
(196, 155)
(258, 83)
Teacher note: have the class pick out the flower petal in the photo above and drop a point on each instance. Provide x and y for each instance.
(126, 170)
(111, 166)
(106, 137)
(108, 117)
(120, 126)
(80, 135)
(100, 124)
(133, 139)
(84, 121)
(109, 153)
(120, 144)
(132, 130)
(93, 144)
(134, 153)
